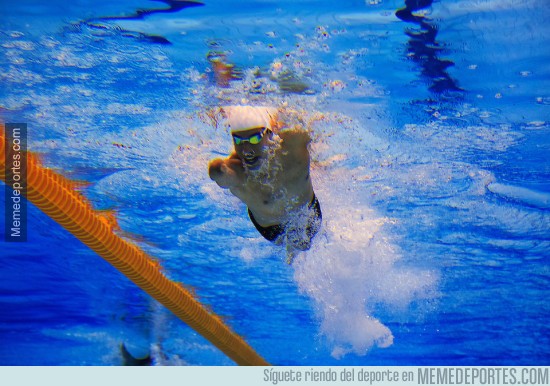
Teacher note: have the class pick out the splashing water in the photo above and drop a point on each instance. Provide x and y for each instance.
(353, 269)
(420, 192)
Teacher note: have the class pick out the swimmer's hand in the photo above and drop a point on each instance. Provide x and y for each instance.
(225, 172)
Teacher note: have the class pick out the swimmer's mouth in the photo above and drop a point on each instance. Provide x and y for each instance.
(251, 162)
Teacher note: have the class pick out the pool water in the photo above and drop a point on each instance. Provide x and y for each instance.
(430, 160)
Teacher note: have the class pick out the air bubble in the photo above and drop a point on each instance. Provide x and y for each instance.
(337, 85)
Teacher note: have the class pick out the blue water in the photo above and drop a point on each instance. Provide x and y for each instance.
(430, 159)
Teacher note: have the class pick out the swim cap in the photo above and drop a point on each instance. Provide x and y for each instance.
(241, 118)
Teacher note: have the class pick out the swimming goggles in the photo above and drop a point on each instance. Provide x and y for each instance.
(254, 139)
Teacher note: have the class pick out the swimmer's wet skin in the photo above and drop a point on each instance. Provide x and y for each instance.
(269, 172)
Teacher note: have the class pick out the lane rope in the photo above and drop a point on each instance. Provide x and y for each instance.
(57, 197)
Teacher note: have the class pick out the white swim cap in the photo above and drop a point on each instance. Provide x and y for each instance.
(241, 118)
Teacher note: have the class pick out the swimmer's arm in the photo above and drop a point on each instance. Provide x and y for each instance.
(295, 145)
(225, 172)
(295, 137)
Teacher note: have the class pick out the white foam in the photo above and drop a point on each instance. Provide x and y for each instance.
(351, 270)
(524, 195)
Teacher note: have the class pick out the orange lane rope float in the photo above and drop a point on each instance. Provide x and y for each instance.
(57, 197)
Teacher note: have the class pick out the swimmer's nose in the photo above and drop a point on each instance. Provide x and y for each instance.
(248, 151)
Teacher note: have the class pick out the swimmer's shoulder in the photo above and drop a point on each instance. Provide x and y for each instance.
(295, 137)
(295, 153)
(290, 126)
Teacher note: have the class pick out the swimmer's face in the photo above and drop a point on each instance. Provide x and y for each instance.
(250, 146)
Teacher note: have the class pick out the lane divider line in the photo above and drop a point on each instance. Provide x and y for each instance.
(56, 196)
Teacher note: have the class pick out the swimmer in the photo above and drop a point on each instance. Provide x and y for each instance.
(269, 172)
